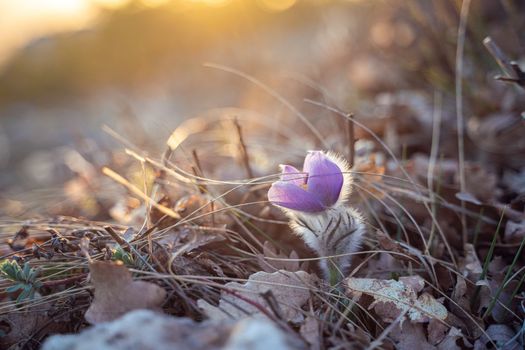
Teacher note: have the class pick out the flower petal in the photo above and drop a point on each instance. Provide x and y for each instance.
(292, 175)
(325, 178)
(288, 195)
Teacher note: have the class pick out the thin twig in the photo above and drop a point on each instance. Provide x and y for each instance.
(116, 236)
(197, 170)
(436, 131)
(275, 95)
(136, 191)
(459, 108)
(244, 152)
(54, 283)
(513, 72)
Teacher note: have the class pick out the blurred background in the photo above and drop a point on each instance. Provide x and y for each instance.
(69, 67)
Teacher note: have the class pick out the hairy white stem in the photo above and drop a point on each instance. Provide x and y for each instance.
(334, 234)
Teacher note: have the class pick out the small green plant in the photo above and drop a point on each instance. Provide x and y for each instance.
(24, 279)
(122, 255)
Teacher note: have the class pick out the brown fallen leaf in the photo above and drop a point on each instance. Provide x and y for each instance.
(460, 296)
(470, 265)
(449, 343)
(116, 293)
(436, 331)
(391, 298)
(26, 326)
(290, 289)
(410, 336)
(389, 244)
(498, 334)
(310, 331)
(271, 260)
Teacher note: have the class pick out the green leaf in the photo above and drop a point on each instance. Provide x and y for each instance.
(27, 270)
(23, 295)
(14, 288)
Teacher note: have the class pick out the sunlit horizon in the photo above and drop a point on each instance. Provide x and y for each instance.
(22, 21)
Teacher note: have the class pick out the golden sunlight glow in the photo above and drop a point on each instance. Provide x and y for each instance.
(277, 5)
(155, 3)
(112, 4)
(213, 3)
(23, 20)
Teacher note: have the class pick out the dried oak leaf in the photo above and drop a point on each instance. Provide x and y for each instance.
(116, 293)
(391, 298)
(290, 289)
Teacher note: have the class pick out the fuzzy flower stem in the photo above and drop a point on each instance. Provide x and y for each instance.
(314, 201)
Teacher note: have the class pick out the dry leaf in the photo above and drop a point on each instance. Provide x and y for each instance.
(281, 262)
(502, 335)
(414, 282)
(449, 343)
(116, 293)
(471, 266)
(389, 244)
(32, 324)
(480, 182)
(371, 170)
(188, 239)
(501, 312)
(384, 264)
(436, 331)
(310, 332)
(514, 231)
(290, 289)
(391, 298)
(460, 297)
(201, 209)
(410, 336)
(515, 180)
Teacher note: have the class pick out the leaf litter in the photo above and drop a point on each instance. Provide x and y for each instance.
(188, 230)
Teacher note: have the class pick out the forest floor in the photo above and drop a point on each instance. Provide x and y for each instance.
(437, 152)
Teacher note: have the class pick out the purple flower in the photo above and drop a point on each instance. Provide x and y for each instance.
(315, 189)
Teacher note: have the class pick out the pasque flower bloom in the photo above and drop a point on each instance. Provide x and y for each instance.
(314, 201)
(317, 188)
